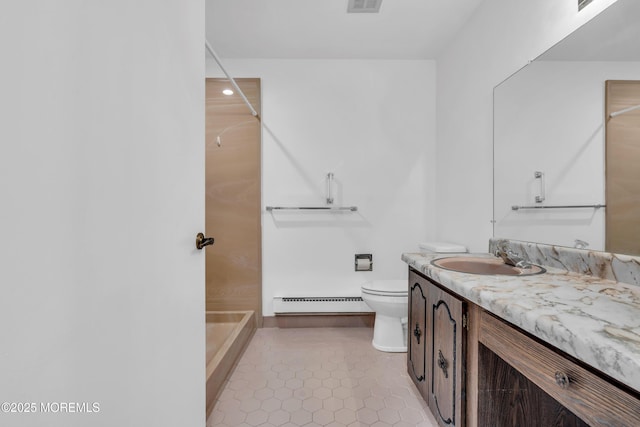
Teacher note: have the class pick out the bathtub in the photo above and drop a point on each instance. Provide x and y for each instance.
(228, 333)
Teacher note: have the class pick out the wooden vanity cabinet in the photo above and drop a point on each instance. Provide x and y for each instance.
(417, 333)
(474, 369)
(445, 357)
(435, 353)
(544, 386)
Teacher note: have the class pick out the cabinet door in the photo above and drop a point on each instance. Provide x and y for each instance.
(417, 333)
(445, 357)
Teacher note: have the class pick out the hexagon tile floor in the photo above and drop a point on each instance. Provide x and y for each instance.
(319, 377)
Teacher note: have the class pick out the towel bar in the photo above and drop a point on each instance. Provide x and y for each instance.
(312, 208)
(596, 206)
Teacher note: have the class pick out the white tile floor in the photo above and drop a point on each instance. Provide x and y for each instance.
(319, 377)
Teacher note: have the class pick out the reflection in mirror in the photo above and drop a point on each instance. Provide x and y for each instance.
(622, 177)
(550, 118)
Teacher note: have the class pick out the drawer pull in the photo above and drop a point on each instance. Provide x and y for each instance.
(417, 333)
(443, 364)
(562, 379)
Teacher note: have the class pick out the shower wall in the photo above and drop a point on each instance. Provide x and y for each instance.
(234, 262)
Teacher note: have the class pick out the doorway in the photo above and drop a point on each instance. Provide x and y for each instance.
(233, 198)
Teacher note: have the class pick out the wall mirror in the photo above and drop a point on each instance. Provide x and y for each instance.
(550, 124)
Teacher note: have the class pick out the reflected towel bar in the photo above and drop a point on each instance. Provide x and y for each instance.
(516, 207)
(312, 208)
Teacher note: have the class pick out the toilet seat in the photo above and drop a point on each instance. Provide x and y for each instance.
(385, 294)
(388, 288)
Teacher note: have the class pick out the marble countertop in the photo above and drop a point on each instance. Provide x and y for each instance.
(593, 319)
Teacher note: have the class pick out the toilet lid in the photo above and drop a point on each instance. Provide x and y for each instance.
(442, 247)
(386, 286)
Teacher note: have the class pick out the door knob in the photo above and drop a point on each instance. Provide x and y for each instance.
(202, 241)
(562, 379)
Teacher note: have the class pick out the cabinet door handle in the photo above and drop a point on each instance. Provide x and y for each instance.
(443, 364)
(562, 379)
(417, 333)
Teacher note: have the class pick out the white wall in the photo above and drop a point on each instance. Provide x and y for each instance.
(550, 117)
(101, 187)
(501, 37)
(371, 123)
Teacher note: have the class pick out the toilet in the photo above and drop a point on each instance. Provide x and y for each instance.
(389, 300)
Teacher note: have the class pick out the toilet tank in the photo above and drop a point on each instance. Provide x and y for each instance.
(441, 248)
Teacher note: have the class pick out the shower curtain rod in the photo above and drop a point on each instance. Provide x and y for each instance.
(231, 79)
(626, 110)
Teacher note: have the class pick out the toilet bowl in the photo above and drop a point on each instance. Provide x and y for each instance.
(389, 299)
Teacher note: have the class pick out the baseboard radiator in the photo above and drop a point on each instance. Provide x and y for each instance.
(320, 305)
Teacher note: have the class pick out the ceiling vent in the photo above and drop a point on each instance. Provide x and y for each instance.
(364, 6)
(583, 3)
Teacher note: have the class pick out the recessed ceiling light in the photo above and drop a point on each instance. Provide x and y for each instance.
(227, 92)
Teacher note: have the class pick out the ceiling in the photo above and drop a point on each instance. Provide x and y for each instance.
(322, 29)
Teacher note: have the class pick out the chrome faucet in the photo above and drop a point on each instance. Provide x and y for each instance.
(580, 244)
(511, 258)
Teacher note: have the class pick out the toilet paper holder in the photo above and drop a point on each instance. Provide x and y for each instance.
(363, 262)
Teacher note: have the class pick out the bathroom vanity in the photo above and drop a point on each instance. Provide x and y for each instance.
(435, 347)
(559, 348)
